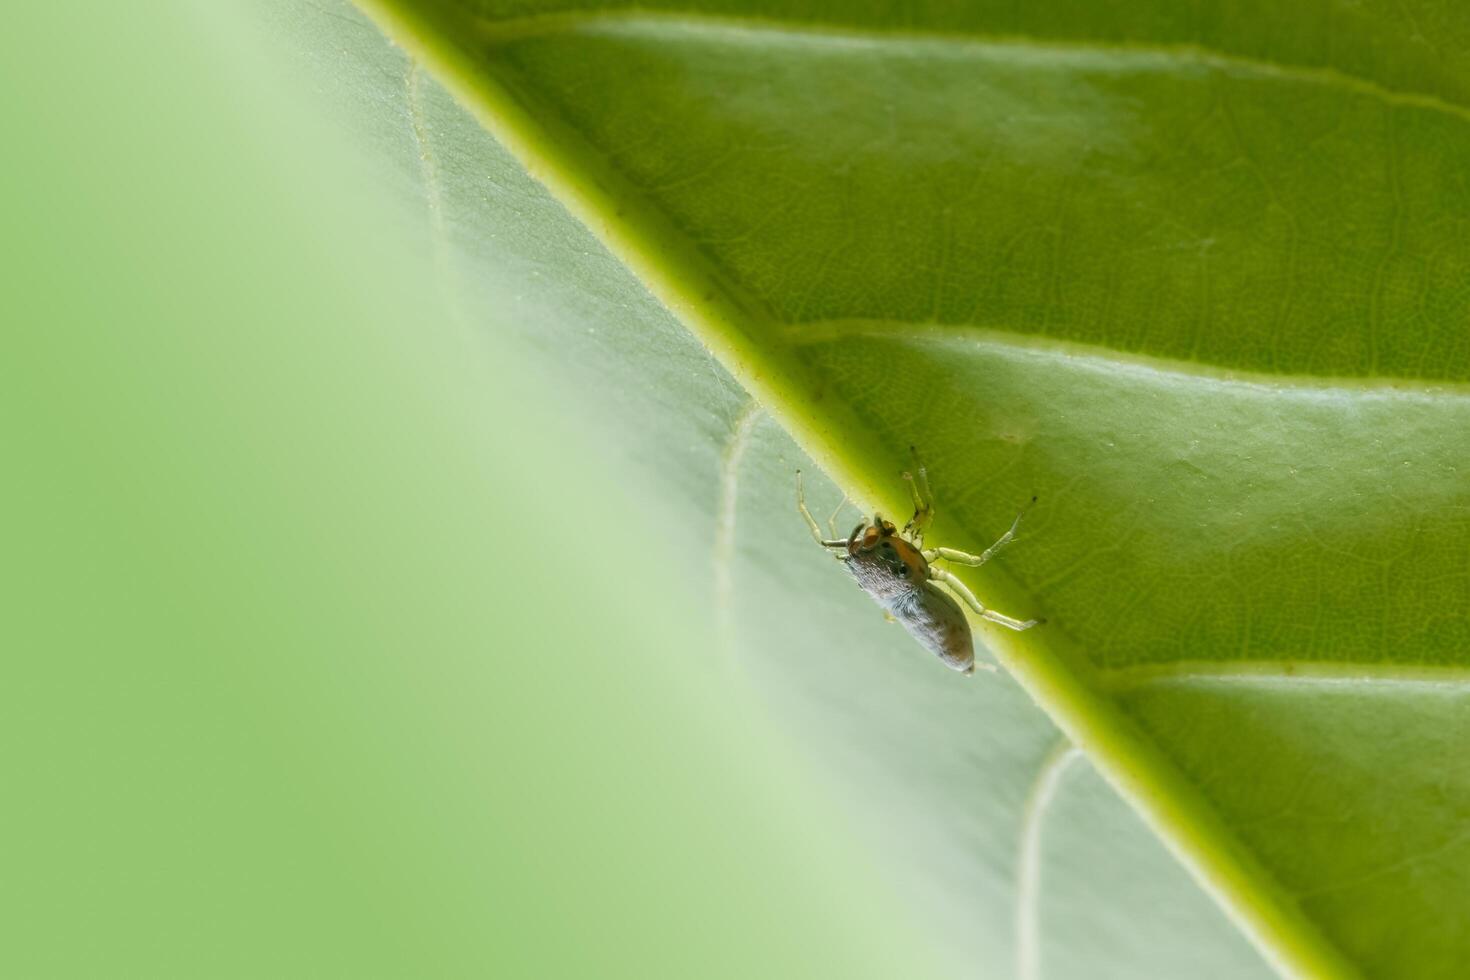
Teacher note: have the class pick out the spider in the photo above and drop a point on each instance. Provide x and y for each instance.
(895, 569)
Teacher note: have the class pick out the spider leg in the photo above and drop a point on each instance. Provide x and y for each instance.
(960, 589)
(918, 482)
(965, 558)
(811, 522)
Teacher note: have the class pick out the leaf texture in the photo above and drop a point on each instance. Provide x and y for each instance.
(1195, 275)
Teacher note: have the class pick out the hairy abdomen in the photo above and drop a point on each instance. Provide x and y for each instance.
(936, 621)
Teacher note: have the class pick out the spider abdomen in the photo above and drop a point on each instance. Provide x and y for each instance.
(938, 623)
(899, 582)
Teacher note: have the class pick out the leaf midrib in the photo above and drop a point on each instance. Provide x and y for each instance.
(748, 343)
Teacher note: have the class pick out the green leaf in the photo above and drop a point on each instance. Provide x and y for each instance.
(1195, 276)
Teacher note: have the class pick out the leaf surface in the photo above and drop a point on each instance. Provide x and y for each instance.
(1195, 276)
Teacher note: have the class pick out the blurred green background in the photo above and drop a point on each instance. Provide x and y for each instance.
(331, 648)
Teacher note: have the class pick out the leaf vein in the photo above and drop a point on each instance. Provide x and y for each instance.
(1131, 55)
(815, 332)
(1220, 672)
